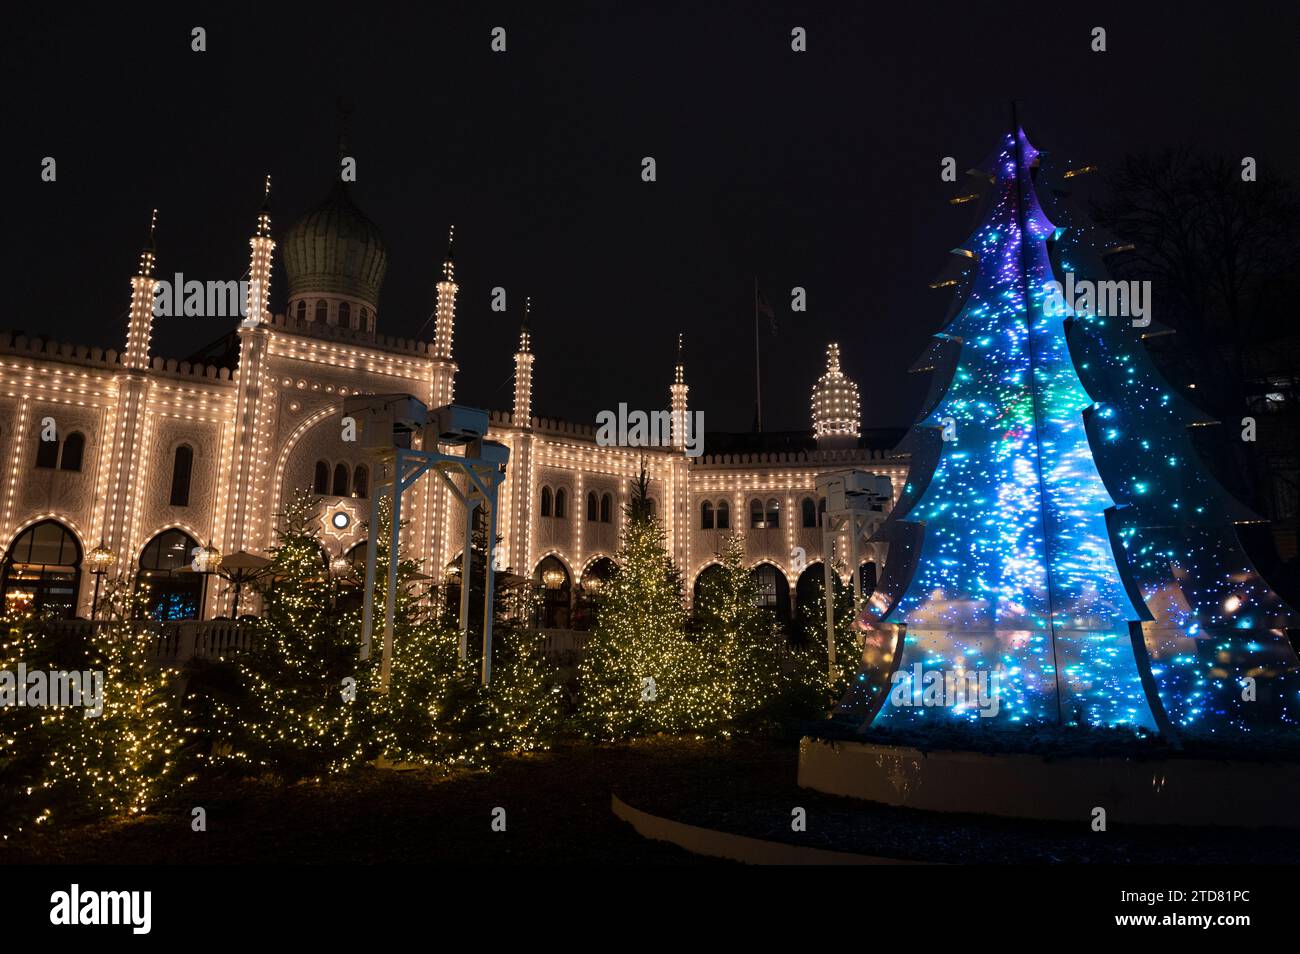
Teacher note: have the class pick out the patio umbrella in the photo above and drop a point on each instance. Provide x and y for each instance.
(240, 568)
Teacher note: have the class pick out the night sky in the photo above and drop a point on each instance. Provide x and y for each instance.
(818, 169)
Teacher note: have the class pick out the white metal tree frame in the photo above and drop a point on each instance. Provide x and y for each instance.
(386, 422)
(856, 503)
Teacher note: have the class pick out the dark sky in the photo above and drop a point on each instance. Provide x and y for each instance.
(817, 169)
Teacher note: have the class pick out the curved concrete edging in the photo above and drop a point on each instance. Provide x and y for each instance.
(721, 844)
(1156, 792)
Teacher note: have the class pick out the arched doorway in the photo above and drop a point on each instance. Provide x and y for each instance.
(42, 570)
(557, 591)
(594, 580)
(773, 591)
(172, 591)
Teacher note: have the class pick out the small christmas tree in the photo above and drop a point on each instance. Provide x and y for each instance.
(436, 710)
(740, 645)
(299, 710)
(640, 674)
(813, 648)
(116, 748)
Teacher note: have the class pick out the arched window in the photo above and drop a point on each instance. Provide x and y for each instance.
(321, 481)
(361, 481)
(593, 510)
(724, 515)
(302, 310)
(74, 448)
(172, 592)
(773, 513)
(182, 464)
(773, 590)
(340, 480)
(546, 501)
(345, 315)
(606, 508)
(560, 499)
(756, 514)
(322, 310)
(42, 571)
(809, 512)
(706, 515)
(47, 453)
(364, 325)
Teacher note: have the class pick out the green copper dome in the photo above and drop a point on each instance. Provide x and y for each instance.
(334, 249)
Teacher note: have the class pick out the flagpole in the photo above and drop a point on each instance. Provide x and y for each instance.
(758, 368)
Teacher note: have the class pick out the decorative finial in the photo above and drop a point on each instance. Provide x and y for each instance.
(267, 194)
(680, 338)
(345, 113)
(153, 227)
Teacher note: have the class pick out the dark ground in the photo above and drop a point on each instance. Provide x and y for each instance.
(558, 812)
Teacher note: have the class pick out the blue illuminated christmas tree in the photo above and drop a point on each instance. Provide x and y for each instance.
(1116, 596)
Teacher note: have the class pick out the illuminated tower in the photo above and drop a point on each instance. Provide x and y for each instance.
(245, 525)
(445, 323)
(676, 521)
(524, 374)
(519, 484)
(678, 393)
(119, 520)
(835, 410)
(139, 329)
(259, 266)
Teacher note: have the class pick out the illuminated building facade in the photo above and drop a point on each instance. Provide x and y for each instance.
(150, 458)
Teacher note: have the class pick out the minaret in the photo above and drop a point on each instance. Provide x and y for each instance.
(524, 374)
(259, 266)
(245, 525)
(122, 501)
(677, 512)
(678, 392)
(445, 324)
(139, 329)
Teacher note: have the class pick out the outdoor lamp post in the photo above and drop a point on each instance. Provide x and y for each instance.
(207, 560)
(101, 558)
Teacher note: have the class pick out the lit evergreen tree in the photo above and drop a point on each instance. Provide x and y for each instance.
(299, 707)
(812, 623)
(740, 645)
(115, 754)
(640, 674)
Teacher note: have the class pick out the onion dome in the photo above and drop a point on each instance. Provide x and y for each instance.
(835, 410)
(334, 250)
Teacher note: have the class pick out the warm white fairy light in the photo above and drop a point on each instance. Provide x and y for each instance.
(251, 432)
(835, 409)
